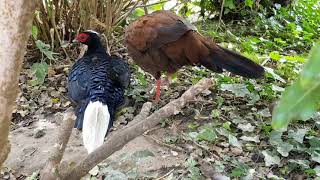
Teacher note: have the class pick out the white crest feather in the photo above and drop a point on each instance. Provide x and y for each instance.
(92, 31)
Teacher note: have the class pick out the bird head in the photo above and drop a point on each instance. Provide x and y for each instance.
(88, 37)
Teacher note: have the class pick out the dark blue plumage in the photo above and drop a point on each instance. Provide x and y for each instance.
(97, 77)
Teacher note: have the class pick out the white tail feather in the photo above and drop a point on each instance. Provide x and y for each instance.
(95, 125)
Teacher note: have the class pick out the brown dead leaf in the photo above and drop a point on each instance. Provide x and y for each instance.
(51, 72)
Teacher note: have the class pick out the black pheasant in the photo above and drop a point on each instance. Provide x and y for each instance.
(96, 85)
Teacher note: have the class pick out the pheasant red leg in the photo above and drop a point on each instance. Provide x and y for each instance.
(158, 90)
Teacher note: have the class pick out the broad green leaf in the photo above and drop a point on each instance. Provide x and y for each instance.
(219, 166)
(314, 142)
(240, 170)
(315, 156)
(234, 141)
(226, 125)
(229, 4)
(274, 75)
(270, 158)
(215, 113)
(137, 13)
(301, 99)
(248, 3)
(284, 149)
(45, 49)
(297, 135)
(265, 112)
(275, 138)
(246, 127)
(304, 164)
(223, 132)
(240, 90)
(275, 55)
(207, 134)
(40, 71)
(194, 171)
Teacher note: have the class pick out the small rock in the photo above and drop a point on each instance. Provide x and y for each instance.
(236, 151)
(174, 153)
(224, 144)
(55, 94)
(217, 149)
(51, 72)
(39, 133)
(206, 92)
(220, 177)
(62, 89)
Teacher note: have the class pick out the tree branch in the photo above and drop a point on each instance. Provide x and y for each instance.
(50, 171)
(116, 141)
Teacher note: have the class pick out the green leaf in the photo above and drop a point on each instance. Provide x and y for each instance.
(300, 100)
(284, 149)
(229, 4)
(240, 90)
(304, 164)
(240, 170)
(215, 113)
(223, 132)
(275, 138)
(315, 156)
(298, 135)
(270, 158)
(314, 142)
(39, 70)
(34, 32)
(246, 127)
(193, 169)
(45, 49)
(234, 141)
(137, 13)
(226, 125)
(274, 75)
(219, 166)
(275, 56)
(248, 3)
(207, 134)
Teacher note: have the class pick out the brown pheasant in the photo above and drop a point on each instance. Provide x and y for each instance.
(164, 42)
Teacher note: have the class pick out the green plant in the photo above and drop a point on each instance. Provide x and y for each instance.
(302, 98)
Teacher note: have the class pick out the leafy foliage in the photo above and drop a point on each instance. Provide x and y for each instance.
(301, 99)
(40, 71)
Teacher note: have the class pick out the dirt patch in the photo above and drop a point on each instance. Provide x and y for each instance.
(31, 146)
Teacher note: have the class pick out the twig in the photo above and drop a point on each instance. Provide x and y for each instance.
(152, 4)
(50, 171)
(176, 148)
(145, 7)
(118, 140)
(203, 148)
(221, 11)
(167, 174)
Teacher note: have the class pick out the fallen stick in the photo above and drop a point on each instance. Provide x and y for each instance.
(116, 141)
(50, 171)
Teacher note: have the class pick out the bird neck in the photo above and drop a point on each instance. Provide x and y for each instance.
(94, 48)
